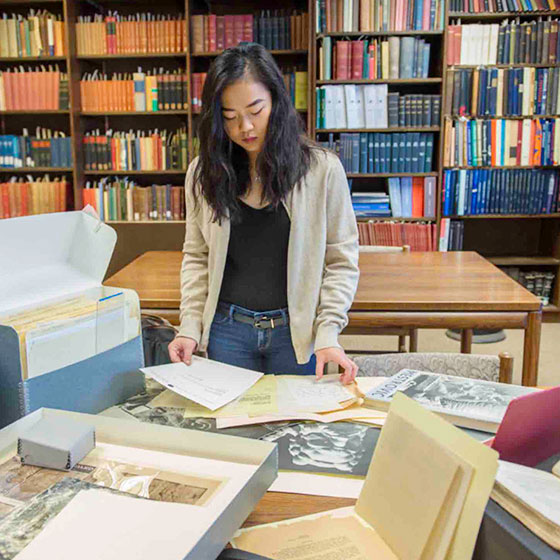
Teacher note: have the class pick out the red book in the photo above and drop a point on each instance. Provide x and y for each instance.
(229, 31)
(248, 28)
(238, 24)
(212, 33)
(417, 197)
(220, 33)
(342, 54)
(357, 58)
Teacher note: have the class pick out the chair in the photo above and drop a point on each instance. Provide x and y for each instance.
(476, 366)
(401, 332)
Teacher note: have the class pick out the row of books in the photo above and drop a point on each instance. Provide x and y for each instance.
(372, 106)
(41, 89)
(418, 236)
(371, 205)
(413, 110)
(378, 15)
(21, 197)
(38, 34)
(136, 33)
(500, 191)
(412, 197)
(46, 149)
(378, 152)
(538, 282)
(504, 92)
(393, 58)
(125, 200)
(274, 29)
(452, 233)
(296, 84)
(497, 6)
(136, 151)
(501, 142)
(141, 91)
(534, 42)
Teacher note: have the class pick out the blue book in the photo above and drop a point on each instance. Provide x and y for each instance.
(408, 152)
(363, 152)
(406, 196)
(377, 152)
(395, 140)
(382, 166)
(428, 162)
(425, 60)
(474, 193)
(401, 137)
(370, 152)
(421, 152)
(446, 190)
(395, 196)
(355, 152)
(388, 139)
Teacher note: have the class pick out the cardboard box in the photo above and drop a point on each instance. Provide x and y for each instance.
(56, 443)
(247, 467)
(84, 364)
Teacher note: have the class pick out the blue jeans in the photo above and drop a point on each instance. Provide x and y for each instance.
(241, 344)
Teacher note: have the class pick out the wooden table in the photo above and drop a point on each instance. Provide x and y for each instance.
(455, 290)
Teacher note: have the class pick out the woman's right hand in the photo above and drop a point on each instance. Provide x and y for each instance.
(181, 349)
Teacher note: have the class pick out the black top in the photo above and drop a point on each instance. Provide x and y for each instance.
(256, 272)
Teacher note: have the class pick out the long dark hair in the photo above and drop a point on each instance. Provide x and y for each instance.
(223, 167)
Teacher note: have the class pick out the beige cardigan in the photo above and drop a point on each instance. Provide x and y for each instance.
(322, 259)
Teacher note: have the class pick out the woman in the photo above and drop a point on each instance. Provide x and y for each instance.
(270, 264)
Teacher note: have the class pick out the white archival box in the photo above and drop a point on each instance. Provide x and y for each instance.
(250, 467)
(73, 364)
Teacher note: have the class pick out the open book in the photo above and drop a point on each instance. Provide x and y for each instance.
(471, 403)
(531, 496)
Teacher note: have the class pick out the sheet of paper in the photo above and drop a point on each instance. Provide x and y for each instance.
(306, 393)
(483, 460)
(101, 526)
(211, 384)
(366, 384)
(320, 537)
(318, 485)
(539, 490)
(354, 412)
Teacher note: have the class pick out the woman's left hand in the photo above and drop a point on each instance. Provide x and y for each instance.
(338, 356)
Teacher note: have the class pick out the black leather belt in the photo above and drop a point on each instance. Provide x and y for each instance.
(261, 322)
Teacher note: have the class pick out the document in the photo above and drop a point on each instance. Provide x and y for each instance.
(97, 525)
(211, 384)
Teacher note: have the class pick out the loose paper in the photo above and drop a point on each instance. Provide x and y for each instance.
(96, 525)
(211, 384)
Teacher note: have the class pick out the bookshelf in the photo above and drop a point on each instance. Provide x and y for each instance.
(520, 243)
(528, 241)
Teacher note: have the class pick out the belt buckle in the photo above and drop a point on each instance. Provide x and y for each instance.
(257, 323)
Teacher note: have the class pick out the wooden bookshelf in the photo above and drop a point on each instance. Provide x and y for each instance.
(491, 234)
(504, 216)
(392, 129)
(133, 172)
(358, 34)
(396, 81)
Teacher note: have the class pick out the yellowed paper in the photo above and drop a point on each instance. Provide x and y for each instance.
(320, 537)
(352, 413)
(406, 487)
(483, 460)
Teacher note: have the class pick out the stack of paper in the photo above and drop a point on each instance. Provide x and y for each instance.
(59, 334)
(238, 397)
(423, 499)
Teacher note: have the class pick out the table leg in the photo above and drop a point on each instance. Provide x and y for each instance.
(531, 347)
(413, 340)
(402, 343)
(466, 341)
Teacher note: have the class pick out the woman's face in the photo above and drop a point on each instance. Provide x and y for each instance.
(246, 107)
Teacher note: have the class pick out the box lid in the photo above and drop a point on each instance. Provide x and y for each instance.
(51, 256)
